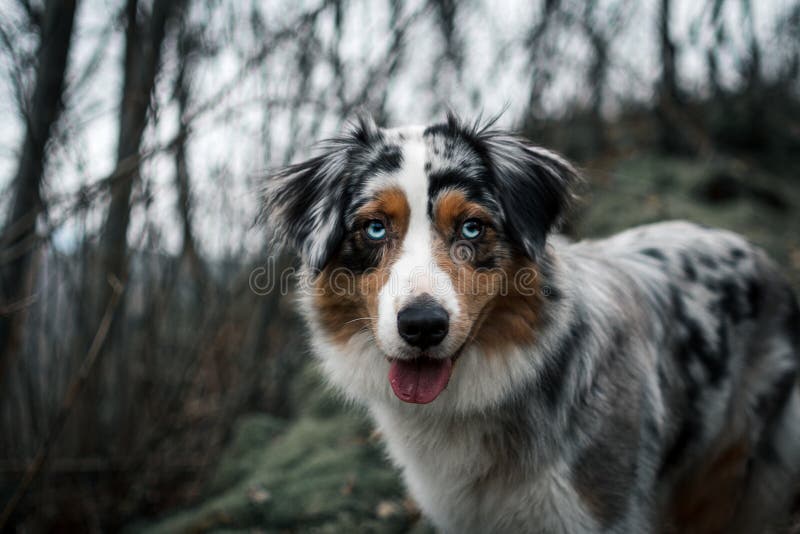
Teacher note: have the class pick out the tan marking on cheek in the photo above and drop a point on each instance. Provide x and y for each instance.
(512, 319)
(476, 290)
(498, 311)
(500, 307)
(342, 313)
(347, 303)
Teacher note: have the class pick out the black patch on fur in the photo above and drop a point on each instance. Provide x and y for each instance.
(605, 473)
(754, 295)
(729, 300)
(678, 308)
(444, 128)
(707, 261)
(769, 403)
(485, 261)
(548, 288)
(688, 268)
(692, 344)
(737, 254)
(452, 178)
(687, 435)
(387, 159)
(770, 407)
(557, 364)
(792, 323)
(455, 179)
(654, 253)
(509, 442)
(357, 257)
(690, 428)
(552, 293)
(736, 302)
(695, 346)
(700, 346)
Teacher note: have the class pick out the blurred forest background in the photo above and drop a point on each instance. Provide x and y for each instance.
(143, 384)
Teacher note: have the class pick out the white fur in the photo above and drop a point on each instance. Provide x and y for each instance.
(448, 470)
(415, 272)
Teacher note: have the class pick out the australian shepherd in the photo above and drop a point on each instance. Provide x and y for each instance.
(647, 382)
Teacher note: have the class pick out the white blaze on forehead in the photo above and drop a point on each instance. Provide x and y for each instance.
(415, 272)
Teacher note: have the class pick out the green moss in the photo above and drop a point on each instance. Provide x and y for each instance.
(649, 189)
(317, 474)
(250, 435)
(312, 397)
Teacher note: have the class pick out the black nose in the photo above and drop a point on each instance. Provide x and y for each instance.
(423, 323)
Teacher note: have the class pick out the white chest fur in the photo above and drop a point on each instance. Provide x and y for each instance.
(462, 486)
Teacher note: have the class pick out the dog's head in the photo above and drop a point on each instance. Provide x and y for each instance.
(423, 248)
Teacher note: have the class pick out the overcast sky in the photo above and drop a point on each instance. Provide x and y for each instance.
(231, 147)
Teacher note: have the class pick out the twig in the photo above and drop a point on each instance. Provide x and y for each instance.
(73, 392)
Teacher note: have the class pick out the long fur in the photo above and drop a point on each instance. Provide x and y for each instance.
(649, 384)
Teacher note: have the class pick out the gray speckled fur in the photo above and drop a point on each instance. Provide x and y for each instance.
(658, 346)
(628, 387)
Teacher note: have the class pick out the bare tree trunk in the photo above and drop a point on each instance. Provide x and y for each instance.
(754, 92)
(446, 13)
(447, 69)
(537, 57)
(597, 74)
(712, 53)
(18, 239)
(187, 48)
(142, 58)
(669, 97)
(669, 82)
(144, 36)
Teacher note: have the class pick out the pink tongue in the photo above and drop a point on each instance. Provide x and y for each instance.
(420, 380)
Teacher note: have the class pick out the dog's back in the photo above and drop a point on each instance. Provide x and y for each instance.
(725, 325)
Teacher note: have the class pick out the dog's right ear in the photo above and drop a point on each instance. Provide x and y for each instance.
(304, 203)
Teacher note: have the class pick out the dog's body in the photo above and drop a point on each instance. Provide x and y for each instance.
(663, 361)
(643, 383)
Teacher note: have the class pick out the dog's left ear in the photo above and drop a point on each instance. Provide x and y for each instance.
(534, 186)
(304, 203)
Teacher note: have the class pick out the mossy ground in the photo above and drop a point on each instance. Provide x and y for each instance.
(322, 472)
(722, 193)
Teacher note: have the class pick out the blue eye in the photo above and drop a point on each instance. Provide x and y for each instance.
(375, 230)
(471, 229)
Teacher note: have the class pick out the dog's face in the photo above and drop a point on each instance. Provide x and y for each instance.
(423, 247)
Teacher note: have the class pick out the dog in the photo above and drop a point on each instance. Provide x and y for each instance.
(647, 382)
